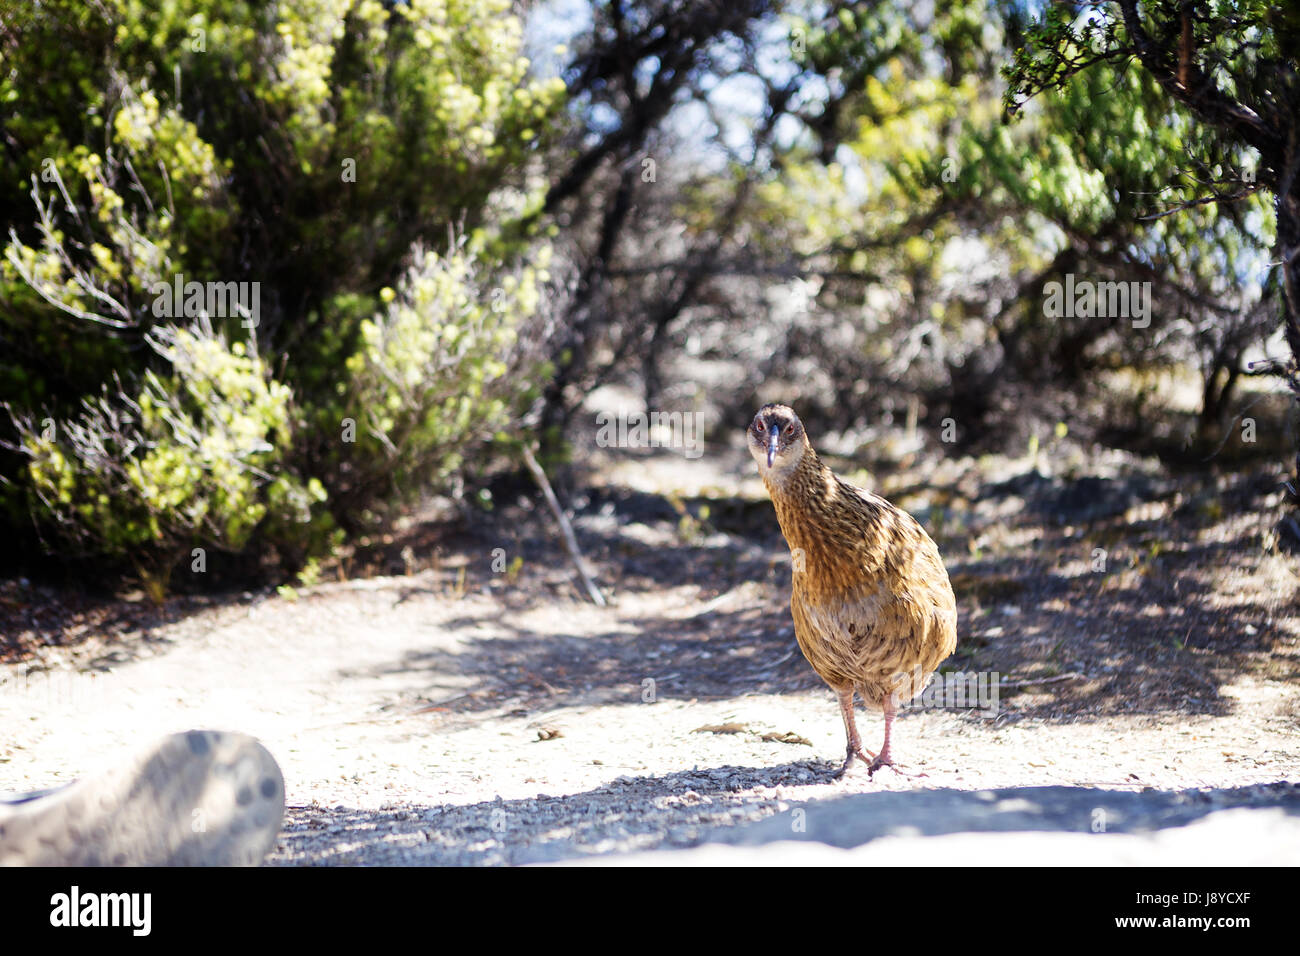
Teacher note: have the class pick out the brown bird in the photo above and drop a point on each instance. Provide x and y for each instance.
(873, 608)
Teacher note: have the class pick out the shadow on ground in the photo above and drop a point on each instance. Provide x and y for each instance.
(689, 809)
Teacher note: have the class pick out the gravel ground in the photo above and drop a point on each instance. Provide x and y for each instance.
(453, 716)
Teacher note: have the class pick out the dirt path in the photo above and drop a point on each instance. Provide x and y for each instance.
(454, 716)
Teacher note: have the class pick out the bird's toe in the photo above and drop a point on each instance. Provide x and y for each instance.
(878, 763)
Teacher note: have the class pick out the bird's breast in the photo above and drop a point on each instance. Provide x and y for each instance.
(869, 635)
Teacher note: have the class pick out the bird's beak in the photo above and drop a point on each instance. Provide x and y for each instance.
(772, 437)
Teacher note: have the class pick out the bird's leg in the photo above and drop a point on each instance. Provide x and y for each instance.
(845, 695)
(883, 759)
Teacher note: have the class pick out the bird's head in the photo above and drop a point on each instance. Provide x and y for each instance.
(776, 440)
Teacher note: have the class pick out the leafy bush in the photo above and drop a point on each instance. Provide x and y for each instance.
(438, 371)
(195, 459)
(315, 148)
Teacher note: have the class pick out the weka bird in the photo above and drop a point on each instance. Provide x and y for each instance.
(873, 608)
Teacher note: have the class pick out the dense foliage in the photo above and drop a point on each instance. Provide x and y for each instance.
(256, 283)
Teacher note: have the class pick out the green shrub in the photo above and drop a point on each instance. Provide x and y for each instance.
(195, 459)
(317, 148)
(439, 371)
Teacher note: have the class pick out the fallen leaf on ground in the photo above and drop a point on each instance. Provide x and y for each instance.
(789, 737)
(721, 729)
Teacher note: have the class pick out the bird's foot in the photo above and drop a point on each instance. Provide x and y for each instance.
(866, 756)
(885, 760)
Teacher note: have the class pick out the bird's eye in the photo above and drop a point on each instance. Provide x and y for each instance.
(789, 429)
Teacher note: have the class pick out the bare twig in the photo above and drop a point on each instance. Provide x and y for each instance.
(1041, 680)
(1203, 201)
(566, 529)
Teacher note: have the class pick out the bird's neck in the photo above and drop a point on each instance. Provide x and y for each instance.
(824, 532)
(800, 496)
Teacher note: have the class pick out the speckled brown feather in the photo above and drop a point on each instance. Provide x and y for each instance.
(872, 605)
